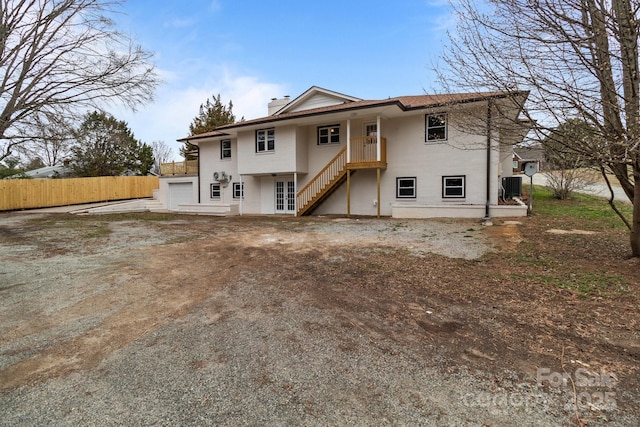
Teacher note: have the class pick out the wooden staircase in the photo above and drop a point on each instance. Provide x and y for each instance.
(323, 184)
(364, 155)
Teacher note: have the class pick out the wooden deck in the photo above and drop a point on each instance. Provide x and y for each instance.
(364, 153)
(187, 167)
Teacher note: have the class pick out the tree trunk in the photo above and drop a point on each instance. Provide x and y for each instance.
(635, 226)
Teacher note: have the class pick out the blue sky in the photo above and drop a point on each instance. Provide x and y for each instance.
(252, 51)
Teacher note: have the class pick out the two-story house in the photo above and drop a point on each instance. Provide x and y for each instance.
(326, 153)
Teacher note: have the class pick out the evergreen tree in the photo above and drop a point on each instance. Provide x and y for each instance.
(10, 168)
(105, 146)
(212, 115)
(565, 145)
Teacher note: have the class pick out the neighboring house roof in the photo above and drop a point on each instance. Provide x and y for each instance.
(48, 172)
(533, 152)
(404, 103)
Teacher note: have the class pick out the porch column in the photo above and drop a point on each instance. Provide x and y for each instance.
(348, 141)
(378, 204)
(378, 149)
(295, 191)
(348, 193)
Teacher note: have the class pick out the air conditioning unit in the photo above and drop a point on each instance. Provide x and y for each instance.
(512, 186)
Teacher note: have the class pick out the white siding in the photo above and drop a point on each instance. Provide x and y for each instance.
(317, 101)
(211, 162)
(281, 160)
(409, 156)
(319, 155)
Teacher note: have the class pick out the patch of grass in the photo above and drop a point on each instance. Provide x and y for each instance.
(586, 284)
(140, 216)
(82, 227)
(396, 227)
(592, 210)
(528, 256)
(96, 231)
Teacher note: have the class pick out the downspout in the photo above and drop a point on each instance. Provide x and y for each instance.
(487, 217)
(198, 173)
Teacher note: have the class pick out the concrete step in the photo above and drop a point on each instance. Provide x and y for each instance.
(155, 206)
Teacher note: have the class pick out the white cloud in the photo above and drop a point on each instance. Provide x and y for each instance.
(168, 118)
(249, 95)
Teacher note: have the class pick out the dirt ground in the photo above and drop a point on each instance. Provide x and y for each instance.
(162, 319)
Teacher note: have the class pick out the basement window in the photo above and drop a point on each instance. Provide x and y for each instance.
(215, 192)
(453, 187)
(406, 188)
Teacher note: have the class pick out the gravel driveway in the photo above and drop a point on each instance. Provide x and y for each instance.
(251, 321)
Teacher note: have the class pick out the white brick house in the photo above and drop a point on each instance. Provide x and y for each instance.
(328, 153)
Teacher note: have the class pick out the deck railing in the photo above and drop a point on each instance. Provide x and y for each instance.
(364, 149)
(187, 167)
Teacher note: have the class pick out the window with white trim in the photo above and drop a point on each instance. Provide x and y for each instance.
(215, 192)
(265, 140)
(370, 129)
(453, 187)
(329, 135)
(225, 149)
(435, 127)
(238, 190)
(406, 187)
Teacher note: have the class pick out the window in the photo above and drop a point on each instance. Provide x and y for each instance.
(406, 188)
(265, 140)
(225, 149)
(329, 135)
(215, 191)
(435, 127)
(453, 187)
(238, 190)
(370, 129)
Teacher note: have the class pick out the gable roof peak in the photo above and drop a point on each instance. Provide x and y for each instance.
(314, 97)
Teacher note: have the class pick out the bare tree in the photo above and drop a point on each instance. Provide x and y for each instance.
(61, 58)
(162, 153)
(567, 169)
(51, 143)
(578, 58)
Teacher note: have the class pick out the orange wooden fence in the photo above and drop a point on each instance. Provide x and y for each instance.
(41, 193)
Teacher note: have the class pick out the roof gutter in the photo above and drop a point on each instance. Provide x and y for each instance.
(220, 131)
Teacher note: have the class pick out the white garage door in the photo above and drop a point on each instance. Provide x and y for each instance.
(179, 193)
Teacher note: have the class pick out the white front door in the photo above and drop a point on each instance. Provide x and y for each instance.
(285, 197)
(370, 129)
